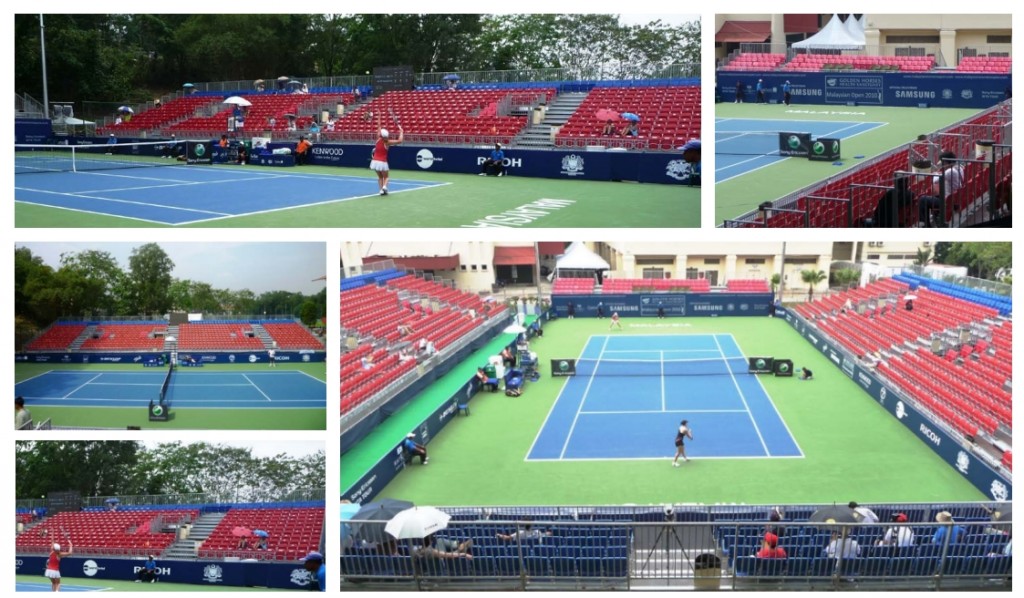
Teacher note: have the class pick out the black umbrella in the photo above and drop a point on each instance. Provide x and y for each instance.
(834, 514)
(383, 511)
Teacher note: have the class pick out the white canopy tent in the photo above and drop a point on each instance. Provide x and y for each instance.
(833, 36)
(579, 262)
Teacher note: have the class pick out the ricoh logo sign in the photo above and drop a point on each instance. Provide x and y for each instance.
(507, 162)
(927, 433)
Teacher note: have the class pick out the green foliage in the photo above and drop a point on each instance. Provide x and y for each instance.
(983, 260)
(112, 468)
(845, 277)
(812, 278)
(924, 257)
(149, 268)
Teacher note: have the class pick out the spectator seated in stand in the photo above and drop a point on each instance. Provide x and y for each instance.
(632, 129)
(487, 377)
(609, 129)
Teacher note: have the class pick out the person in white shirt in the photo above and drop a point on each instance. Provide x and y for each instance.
(846, 548)
(865, 514)
(898, 536)
(953, 180)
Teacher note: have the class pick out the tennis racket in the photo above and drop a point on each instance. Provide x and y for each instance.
(394, 117)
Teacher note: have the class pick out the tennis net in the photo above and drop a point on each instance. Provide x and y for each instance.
(167, 382)
(41, 158)
(747, 143)
(662, 367)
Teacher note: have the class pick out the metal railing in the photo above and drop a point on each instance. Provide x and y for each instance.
(671, 550)
(970, 282)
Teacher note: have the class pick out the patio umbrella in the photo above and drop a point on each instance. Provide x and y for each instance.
(289, 115)
(909, 297)
(834, 514)
(606, 114)
(417, 522)
(112, 501)
(284, 78)
(241, 532)
(294, 83)
(452, 77)
(629, 116)
(348, 510)
(127, 109)
(261, 533)
(381, 511)
(237, 101)
(514, 329)
(258, 82)
(188, 85)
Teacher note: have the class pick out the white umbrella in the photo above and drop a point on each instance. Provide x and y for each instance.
(238, 101)
(417, 522)
(514, 329)
(909, 297)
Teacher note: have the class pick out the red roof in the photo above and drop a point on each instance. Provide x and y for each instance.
(801, 23)
(551, 247)
(514, 256)
(744, 31)
(419, 262)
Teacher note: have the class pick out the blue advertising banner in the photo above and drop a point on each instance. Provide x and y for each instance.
(674, 304)
(975, 470)
(304, 356)
(33, 130)
(936, 89)
(286, 576)
(663, 168)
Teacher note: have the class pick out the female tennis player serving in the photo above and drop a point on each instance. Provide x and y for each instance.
(684, 432)
(379, 163)
(53, 564)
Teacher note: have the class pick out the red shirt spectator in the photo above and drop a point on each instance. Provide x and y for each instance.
(770, 548)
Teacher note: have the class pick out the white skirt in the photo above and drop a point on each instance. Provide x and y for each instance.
(52, 574)
(378, 166)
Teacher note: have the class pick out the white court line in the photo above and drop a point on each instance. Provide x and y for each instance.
(662, 362)
(659, 458)
(663, 351)
(90, 212)
(36, 376)
(82, 386)
(257, 388)
(742, 397)
(123, 201)
(174, 183)
(555, 403)
(586, 391)
(664, 411)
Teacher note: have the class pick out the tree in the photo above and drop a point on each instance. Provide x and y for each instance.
(102, 272)
(812, 278)
(776, 281)
(150, 277)
(308, 313)
(94, 468)
(924, 257)
(845, 277)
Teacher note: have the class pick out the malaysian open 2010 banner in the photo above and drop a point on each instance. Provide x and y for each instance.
(250, 573)
(303, 356)
(673, 304)
(646, 167)
(936, 89)
(974, 469)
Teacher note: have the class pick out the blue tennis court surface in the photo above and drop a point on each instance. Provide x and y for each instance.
(41, 586)
(188, 388)
(188, 194)
(608, 413)
(737, 138)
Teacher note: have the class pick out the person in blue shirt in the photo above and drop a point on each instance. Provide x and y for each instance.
(415, 449)
(786, 97)
(111, 141)
(314, 563)
(148, 571)
(691, 155)
(495, 164)
(955, 531)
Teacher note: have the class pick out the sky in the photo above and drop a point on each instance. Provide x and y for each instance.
(259, 267)
(667, 18)
(266, 448)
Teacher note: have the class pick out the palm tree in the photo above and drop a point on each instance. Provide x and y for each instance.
(924, 257)
(812, 278)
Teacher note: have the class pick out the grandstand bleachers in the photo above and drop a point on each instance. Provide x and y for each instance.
(572, 286)
(293, 533)
(742, 285)
(56, 338)
(749, 61)
(631, 285)
(292, 335)
(162, 116)
(197, 336)
(820, 62)
(132, 337)
(985, 64)
(107, 532)
(669, 115)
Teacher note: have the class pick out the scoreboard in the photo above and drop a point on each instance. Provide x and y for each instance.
(59, 502)
(392, 78)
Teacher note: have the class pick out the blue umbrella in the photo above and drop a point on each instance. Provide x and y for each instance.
(188, 85)
(294, 83)
(629, 116)
(112, 501)
(452, 77)
(127, 109)
(260, 533)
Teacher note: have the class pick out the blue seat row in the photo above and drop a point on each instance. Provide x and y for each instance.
(874, 566)
(354, 566)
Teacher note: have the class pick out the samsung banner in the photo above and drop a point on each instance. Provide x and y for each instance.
(977, 471)
(673, 304)
(936, 89)
(285, 576)
(141, 359)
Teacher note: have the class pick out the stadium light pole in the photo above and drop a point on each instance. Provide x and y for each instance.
(46, 90)
(782, 273)
(536, 272)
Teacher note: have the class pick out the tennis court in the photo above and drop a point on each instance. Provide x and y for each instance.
(151, 189)
(746, 144)
(39, 586)
(852, 448)
(628, 386)
(755, 175)
(28, 583)
(187, 389)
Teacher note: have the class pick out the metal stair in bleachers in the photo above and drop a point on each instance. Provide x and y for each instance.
(200, 531)
(558, 112)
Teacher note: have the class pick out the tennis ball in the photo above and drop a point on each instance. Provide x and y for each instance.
(819, 147)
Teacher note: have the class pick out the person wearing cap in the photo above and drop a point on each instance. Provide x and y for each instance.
(302, 149)
(865, 514)
(314, 563)
(111, 140)
(806, 374)
(415, 449)
(759, 88)
(22, 416)
(148, 571)
(770, 548)
(901, 536)
(786, 95)
(954, 531)
(495, 164)
(691, 155)
(53, 564)
(379, 161)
